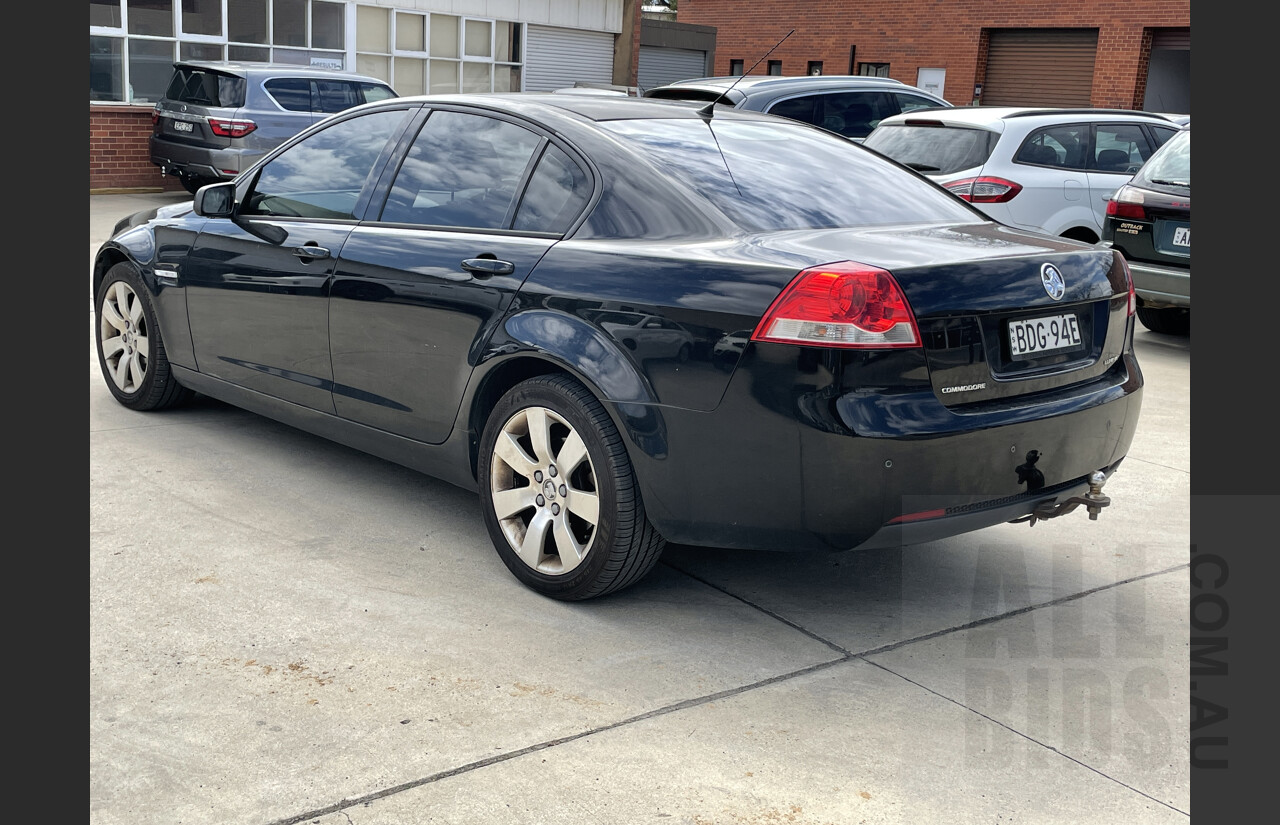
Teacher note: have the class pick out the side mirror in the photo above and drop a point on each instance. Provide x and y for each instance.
(216, 200)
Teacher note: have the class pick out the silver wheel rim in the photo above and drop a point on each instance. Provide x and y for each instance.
(122, 330)
(544, 491)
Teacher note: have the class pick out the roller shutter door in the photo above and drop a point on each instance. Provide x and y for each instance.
(557, 58)
(1177, 39)
(1040, 67)
(660, 66)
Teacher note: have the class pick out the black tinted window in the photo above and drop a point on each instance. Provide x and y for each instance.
(855, 114)
(556, 194)
(1068, 143)
(462, 170)
(908, 102)
(336, 95)
(322, 176)
(203, 88)
(292, 93)
(797, 108)
(784, 176)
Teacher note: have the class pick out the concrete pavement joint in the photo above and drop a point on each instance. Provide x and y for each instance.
(1030, 739)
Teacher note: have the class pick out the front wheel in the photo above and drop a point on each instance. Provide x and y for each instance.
(130, 350)
(559, 494)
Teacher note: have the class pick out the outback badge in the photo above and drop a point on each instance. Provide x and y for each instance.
(1054, 284)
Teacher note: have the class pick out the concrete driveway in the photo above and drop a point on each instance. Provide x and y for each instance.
(283, 630)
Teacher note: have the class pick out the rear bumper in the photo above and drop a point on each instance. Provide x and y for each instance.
(203, 162)
(776, 469)
(1162, 286)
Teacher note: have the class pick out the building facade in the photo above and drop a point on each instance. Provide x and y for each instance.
(1134, 55)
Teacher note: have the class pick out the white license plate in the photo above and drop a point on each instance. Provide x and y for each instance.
(1036, 335)
(183, 126)
(1182, 236)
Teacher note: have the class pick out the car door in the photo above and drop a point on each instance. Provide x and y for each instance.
(1118, 149)
(257, 285)
(473, 207)
(1049, 165)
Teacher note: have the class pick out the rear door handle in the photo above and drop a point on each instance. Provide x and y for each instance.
(488, 267)
(310, 252)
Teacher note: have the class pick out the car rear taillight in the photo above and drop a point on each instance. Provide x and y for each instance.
(1128, 277)
(845, 304)
(231, 128)
(984, 189)
(1126, 202)
(155, 114)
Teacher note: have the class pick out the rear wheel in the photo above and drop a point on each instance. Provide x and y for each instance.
(1167, 320)
(130, 350)
(560, 498)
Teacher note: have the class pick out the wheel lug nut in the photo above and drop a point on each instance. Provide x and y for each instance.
(552, 471)
(555, 509)
(564, 491)
(537, 476)
(541, 501)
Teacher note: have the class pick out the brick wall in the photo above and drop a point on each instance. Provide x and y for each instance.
(118, 153)
(914, 34)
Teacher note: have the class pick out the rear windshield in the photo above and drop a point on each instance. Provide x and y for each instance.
(206, 88)
(770, 176)
(1170, 168)
(935, 150)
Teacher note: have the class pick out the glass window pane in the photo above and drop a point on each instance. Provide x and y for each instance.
(479, 38)
(150, 67)
(289, 23)
(104, 13)
(507, 38)
(326, 25)
(373, 29)
(200, 51)
(461, 171)
(292, 93)
(293, 57)
(556, 194)
(444, 77)
(202, 17)
(477, 77)
(444, 35)
(411, 32)
(411, 75)
(374, 65)
(322, 176)
(255, 53)
(106, 68)
(373, 92)
(337, 95)
(247, 21)
(506, 78)
(151, 17)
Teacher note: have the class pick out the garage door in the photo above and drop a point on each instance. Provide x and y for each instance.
(1040, 67)
(660, 66)
(557, 58)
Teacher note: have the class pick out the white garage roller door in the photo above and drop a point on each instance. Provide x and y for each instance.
(660, 66)
(557, 58)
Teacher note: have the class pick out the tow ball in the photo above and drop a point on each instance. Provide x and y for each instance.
(1093, 501)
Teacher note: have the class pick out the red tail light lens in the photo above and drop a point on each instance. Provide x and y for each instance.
(231, 128)
(845, 304)
(984, 189)
(1126, 202)
(155, 114)
(1128, 277)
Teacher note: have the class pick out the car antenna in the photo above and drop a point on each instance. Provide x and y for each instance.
(708, 110)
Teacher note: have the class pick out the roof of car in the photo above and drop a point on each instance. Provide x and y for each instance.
(991, 115)
(586, 105)
(246, 68)
(766, 81)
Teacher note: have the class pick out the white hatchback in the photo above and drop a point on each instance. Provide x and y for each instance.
(1047, 169)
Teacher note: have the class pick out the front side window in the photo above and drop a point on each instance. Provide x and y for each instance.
(1119, 147)
(462, 171)
(323, 175)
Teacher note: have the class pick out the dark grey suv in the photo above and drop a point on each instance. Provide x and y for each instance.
(216, 119)
(849, 105)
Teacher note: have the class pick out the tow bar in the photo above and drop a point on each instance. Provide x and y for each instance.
(1093, 501)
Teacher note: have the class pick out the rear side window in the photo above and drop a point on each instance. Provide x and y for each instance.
(205, 88)
(556, 194)
(939, 150)
(909, 103)
(798, 108)
(852, 114)
(292, 93)
(1069, 143)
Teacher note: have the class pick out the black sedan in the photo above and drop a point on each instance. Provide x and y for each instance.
(1149, 222)
(857, 358)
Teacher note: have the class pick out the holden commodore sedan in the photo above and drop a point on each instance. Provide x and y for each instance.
(437, 281)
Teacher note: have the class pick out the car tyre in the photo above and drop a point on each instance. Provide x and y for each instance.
(559, 494)
(130, 349)
(1167, 320)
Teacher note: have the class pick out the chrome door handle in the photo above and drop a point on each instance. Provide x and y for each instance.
(488, 267)
(310, 252)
